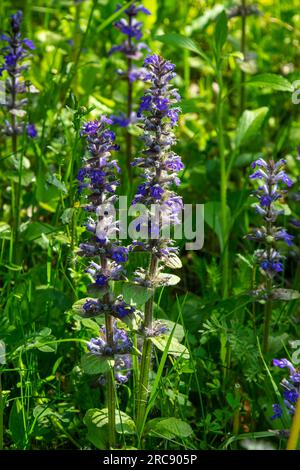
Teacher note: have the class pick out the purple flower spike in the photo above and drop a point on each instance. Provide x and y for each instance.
(272, 175)
(290, 388)
(158, 116)
(120, 351)
(98, 182)
(15, 54)
(132, 48)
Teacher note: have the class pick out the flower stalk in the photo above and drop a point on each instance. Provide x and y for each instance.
(270, 260)
(15, 54)
(159, 115)
(98, 181)
(131, 48)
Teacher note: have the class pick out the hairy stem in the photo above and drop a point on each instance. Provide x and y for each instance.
(111, 398)
(269, 284)
(267, 320)
(111, 394)
(146, 356)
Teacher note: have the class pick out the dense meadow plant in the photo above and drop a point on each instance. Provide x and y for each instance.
(16, 53)
(98, 180)
(159, 115)
(269, 258)
(132, 48)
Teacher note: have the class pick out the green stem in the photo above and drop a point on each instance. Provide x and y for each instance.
(269, 282)
(243, 50)
(295, 429)
(146, 356)
(1, 414)
(223, 189)
(267, 319)
(111, 398)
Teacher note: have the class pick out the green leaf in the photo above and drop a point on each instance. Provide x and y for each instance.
(184, 42)
(221, 32)
(16, 424)
(175, 348)
(97, 434)
(93, 365)
(249, 125)
(67, 215)
(168, 428)
(91, 325)
(178, 332)
(36, 229)
(41, 411)
(277, 342)
(233, 401)
(97, 421)
(271, 80)
(47, 195)
(52, 179)
(285, 294)
(212, 216)
(134, 294)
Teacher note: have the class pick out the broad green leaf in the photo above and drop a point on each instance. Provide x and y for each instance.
(52, 179)
(175, 348)
(47, 194)
(97, 434)
(249, 125)
(178, 331)
(93, 365)
(168, 428)
(271, 80)
(35, 230)
(91, 325)
(276, 342)
(41, 411)
(134, 294)
(184, 42)
(221, 32)
(97, 421)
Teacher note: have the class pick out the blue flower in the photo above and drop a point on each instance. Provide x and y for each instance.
(268, 193)
(158, 115)
(277, 409)
(290, 387)
(15, 53)
(31, 130)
